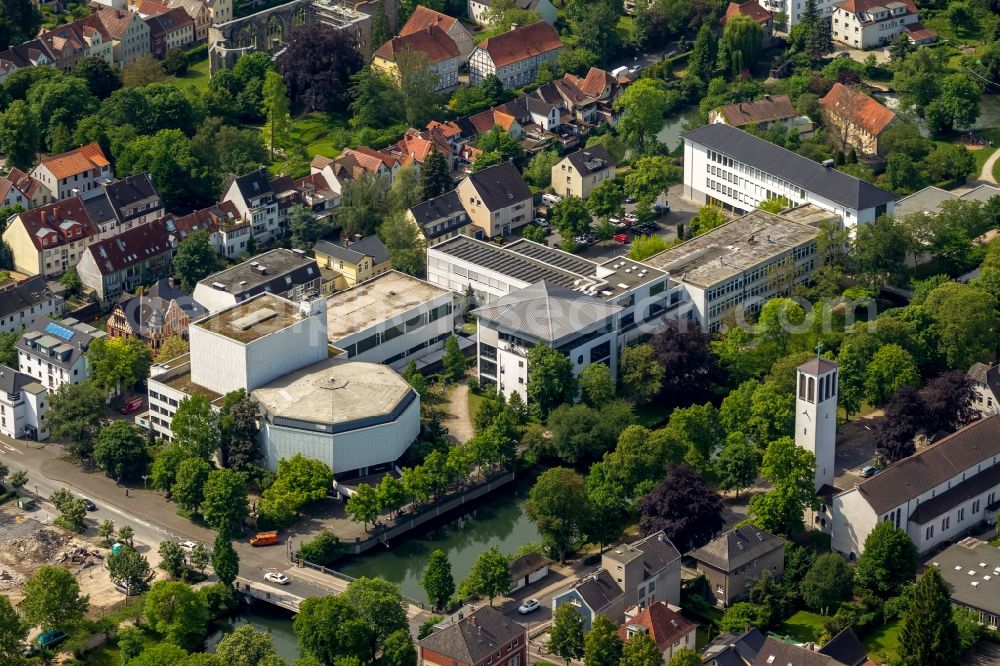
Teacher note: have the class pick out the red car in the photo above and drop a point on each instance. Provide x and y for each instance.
(132, 404)
(621, 238)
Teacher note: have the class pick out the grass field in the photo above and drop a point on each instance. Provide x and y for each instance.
(883, 643)
(474, 402)
(197, 76)
(803, 626)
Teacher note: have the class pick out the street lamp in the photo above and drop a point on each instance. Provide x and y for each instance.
(144, 477)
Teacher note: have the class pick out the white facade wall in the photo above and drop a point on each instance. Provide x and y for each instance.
(706, 179)
(345, 451)
(816, 421)
(794, 9)
(848, 28)
(36, 406)
(17, 321)
(222, 364)
(51, 375)
(163, 403)
(23, 409)
(852, 520)
(86, 185)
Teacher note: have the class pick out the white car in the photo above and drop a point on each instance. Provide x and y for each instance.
(187, 546)
(275, 577)
(529, 606)
(551, 199)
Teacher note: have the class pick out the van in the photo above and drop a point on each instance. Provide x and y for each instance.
(264, 539)
(619, 71)
(132, 404)
(51, 638)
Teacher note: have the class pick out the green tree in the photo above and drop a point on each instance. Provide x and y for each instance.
(363, 506)
(539, 169)
(557, 504)
(391, 494)
(19, 135)
(130, 569)
(305, 229)
(381, 606)
(189, 486)
(165, 466)
(966, 320)
(225, 499)
(71, 280)
(324, 549)
(52, 599)
(437, 580)
(200, 558)
(246, 646)
(606, 199)
(196, 427)
(417, 82)
(131, 640)
(736, 465)
(889, 560)
(929, 636)
(828, 581)
(566, 634)
(648, 178)
(701, 63)
(641, 374)
(571, 217)
(330, 627)
(13, 631)
(891, 368)
(176, 611)
(707, 218)
(454, 362)
(434, 177)
(277, 110)
(120, 451)
(641, 106)
(106, 530)
(742, 616)
(239, 431)
(194, 259)
(644, 247)
(171, 558)
(117, 364)
(76, 413)
(375, 99)
(956, 105)
(597, 386)
(125, 534)
(641, 650)
(550, 380)
(406, 245)
(878, 252)
(685, 657)
(102, 77)
(500, 145)
(399, 650)
(168, 159)
(364, 203)
(490, 576)
(744, 39)
(225, 561)
(601, 645)
(790, 470)
(8, 345)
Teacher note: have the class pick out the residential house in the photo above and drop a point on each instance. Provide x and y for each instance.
(733, 561)
(79, 173)
(477, 10)
(864, 24)
(986, 382)
(762, 114)
(125, 204)
(314, 192)
(128, 32)
(527, 570)
(755, 12)
(792, 10)
(535, 113)
(227, 231)
(424, 17)
(28, 54)
(154, 315)
(256, 203)
(345, 266)
(936, 495)
(24, 301)
(776, 651)
(589, 100)
(22, 406)
(46, 241)
(82, 38)
(636, 574)
(855, 119)
(971, 569)
(514, 56)
(134, 257)
(440, 50)
(200, 13)
(670, 630)
(846, 648)
(172, 30)
(221, 10)
(415, 146)
(286, 273)
(54, 352)
(497, 199)
(19, 189)
(353, 162)
(441, 218)
(485, 637)
(733, 650)
(736, 170)
(579, 173)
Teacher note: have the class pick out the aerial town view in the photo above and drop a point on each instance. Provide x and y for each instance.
(500, 332)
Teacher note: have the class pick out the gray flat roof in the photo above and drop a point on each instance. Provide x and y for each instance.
(334, 392)
(253, 318)
(376, 300)
(929, 199)
(732, 248)
(265, 269)
(812, 176)
(971, 568)
(532, 262)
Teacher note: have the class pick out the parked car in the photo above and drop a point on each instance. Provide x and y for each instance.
(629, 199)
(187, 546)
(621, 238)
(551, 199)
(541, 222)
(870, 471)
(51, 638)
(661, 208)
(529, 606)
(131, 405)
(276, 577)
(631, 217)
(90, 505)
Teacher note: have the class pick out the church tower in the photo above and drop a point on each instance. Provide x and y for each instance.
(816, 415)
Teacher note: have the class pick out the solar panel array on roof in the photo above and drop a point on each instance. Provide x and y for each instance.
(59, 331)
(556, 258)
(509, 263)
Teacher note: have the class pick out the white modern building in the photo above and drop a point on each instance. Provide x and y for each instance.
(737, 171)
(936, 495)
(865, 24)
(793, 9)
(287, 273)
(55, 353)
(736, 267)
(594, 308)
(392, 319)
(358, 418)
(257, 203)
(23, 404)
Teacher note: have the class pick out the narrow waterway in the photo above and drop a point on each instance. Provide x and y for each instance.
(264, 617)
(674, 126)
(498, 521)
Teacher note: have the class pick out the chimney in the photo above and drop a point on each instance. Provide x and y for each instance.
(472, 621)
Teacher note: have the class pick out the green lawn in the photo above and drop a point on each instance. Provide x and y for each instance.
(883, 643)
(942, 26)
(803, 626)
(984, 153)
(197, 76)
(474, 402)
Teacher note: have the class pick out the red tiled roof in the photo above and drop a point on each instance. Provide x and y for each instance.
(864, 110)
(663, 625)
(521, 43)
(23, 182)
(208, 219)
(751, 9)
(432, 41)
(918, 33)
(115, 21)
(76, 161)
(130, 247)
(861, 6)
(765, 110)
(151, 8)
(424, 17)
(60, 222)
(447, 129)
